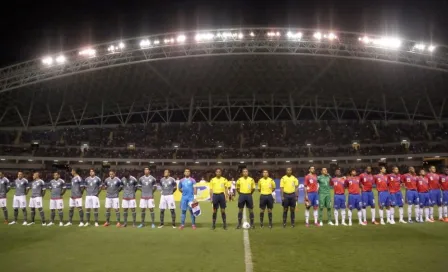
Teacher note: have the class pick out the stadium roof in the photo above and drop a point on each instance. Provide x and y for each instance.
(229, 75)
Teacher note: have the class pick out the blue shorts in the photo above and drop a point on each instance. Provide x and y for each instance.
(354, 202)
(339, 202)
(368, 199)
(436, 197)
(184, 202)
(424, 200)
(314, 199)
(245, 200)
(396, 199)
(445, 197)
(383, 199)
(412, 197)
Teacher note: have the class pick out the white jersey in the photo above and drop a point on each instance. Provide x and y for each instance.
(233, 185)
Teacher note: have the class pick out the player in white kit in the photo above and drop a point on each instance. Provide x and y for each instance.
(4, 189)
(19, 200)
(38, 189)
(93, 187)
(58, 188)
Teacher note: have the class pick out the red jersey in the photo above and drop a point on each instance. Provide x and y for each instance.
(311, 183)
(433, 179)
(381, 183)
(338, 185)
(394, 182)
(444, 182)
(366, 182)
(410, 181)
(422, 184)
(353, 185)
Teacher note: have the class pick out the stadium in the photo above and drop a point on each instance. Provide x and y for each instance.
(255, 98)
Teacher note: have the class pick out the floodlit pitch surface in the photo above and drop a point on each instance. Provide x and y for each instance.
(416, 247)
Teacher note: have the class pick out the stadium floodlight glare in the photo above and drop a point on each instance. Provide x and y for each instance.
(168, 40)
(241, 161)
(383, 159)
(358, 159)
(265, 162)
(156, 42)
(317, 36)
(365, 39)
(251, 34)
(174, 162)
(89, 52)
(121, 45)
(30, 160)
(409, 158)
(219, 162)
(334, 160)
(204, 37)
(420, 46)
(60, 59)
(273, 34)
(294, 36)
(331, 36)
(240, 35)
(81, 161)
(196, 162)
(181, 38)
(388, 42)
(47, 61)
(128, 162)
(431, 48)
(145, 43)
(287, 161)
(2, 159)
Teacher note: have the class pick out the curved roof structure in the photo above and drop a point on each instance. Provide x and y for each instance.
(229, 75)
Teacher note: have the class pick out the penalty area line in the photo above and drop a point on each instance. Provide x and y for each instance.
(247, 250)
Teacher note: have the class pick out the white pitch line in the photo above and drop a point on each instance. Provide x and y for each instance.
(247, 250)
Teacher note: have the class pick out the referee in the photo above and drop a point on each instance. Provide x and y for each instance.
(218, 196)
(245, 187)
(266, 186)
(289, 193)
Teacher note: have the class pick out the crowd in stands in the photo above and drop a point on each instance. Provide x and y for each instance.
(225, 140)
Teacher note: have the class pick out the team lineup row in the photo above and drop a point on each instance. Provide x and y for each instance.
(423, 192)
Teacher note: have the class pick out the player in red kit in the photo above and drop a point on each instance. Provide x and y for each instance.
(444, 187)
(338, 183)
(354, 196)
(368, 199)
(423, 196)
(394, 183)
(410, 182)
(434, 193)
(383, 194)
(311, 196)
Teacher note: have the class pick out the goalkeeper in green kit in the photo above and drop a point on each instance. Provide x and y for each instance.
(324, 195)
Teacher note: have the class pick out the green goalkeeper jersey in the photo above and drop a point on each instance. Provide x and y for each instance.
(324, 184)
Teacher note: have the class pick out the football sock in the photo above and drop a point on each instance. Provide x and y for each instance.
(251, 217)
(321, 211)
(381, 214)
(427, 213)
(61, 216)
(364, 214)
(33, 214)
(372, 210)
(224, 217)
(417, 212)
(343, 215)
(143, 217)
(400, 210)
(88, 216)
(315, 213)
(360, 216)
(349, 215)
(95, 215)
(193, 219)
(285, 215)
(16, 214)
(117, 215)
(336, 216)
(125, 216)
(107, 217)
(240, 217)
(152, 217)
(440, 212)
(329, 214)
(173, 216)
(81, 215)
(182, 217)
(392, 213)
(162, 216)
(293, 216)
(70, 215)
(5, 213)
(431, 212)
(25, 214)
(307, 216)
(52, 215)
(42, 215)
(134, 216)
(445, 211)
(388, 214)
(214, 218)
(270, 218)
(410, 212)
(261, 217)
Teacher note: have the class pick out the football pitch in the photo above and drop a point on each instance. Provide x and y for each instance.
(410, 247)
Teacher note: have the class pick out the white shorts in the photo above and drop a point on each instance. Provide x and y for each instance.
(131, 203)
(167, 202)
(19, 202)
(147, 203)
(56, 204)
(2, 202)
(77, 202)
(92, 202)
(113, 203)
(36, 202)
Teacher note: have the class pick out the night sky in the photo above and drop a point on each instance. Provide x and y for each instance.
(31, 29)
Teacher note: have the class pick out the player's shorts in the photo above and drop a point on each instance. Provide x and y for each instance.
(56, 204)
(35, 202)
(146, 203)
(19, 202)
(314, 199)
(245, 200)
(424, 199)
(75, 202)
(113, 203)
(354, 202)
(289, 200)
(384, 199)
(167, 202)
(324, 201)
(396, 199)
(2, 202)
(368, 199)
(444, 198)
(339, 202)
(412, 197)
(128, 203)
(436, 197)
(92, 202)
(219, 200)
(266, 201)
(184, 201)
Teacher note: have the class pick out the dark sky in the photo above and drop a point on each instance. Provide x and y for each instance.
(32, 29)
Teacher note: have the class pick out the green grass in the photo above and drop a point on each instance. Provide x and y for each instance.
(417, 247)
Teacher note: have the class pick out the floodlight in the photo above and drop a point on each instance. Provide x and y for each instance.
(89, 52)
(317, 35)
(168, 40)
(334, 160)
(265, 162)
(388, 42)
(121, 45)
(409, 158)
(145, 43)
(241, 161)
(47, 60)
(156, 42)
(331, 36)
(181, 38)
(111, 49)
(240, 36)
(204, 37)
(252, 34)
(431, 48)
(420, 46)
(287, 161)
(296, 36)
(60, 59)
